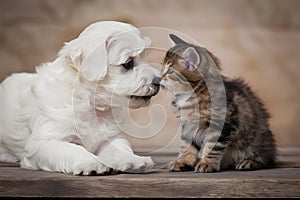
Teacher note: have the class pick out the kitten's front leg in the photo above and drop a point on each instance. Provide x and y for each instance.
(186, 160)
(211, 155)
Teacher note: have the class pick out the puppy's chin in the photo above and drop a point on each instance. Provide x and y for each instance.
(139, 101)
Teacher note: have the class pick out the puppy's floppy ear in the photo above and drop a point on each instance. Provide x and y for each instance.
(91, 64)
(94, 66)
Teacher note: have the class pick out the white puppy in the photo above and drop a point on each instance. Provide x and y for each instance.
(62, 118)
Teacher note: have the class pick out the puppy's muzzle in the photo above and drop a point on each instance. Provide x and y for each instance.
(156, 81)
(152, 90)
(155, 85)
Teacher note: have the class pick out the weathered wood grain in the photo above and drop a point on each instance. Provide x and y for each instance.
(279, 182)
(282, 181)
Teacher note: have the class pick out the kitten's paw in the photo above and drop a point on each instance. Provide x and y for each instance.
(179, 166)
(206, 167)
(247, 165)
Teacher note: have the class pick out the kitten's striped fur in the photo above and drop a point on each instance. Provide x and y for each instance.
(242, 140)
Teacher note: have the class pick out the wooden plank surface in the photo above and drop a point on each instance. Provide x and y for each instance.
(282, 181)
(279, 182)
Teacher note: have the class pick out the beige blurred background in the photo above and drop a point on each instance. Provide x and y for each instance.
(257, 40)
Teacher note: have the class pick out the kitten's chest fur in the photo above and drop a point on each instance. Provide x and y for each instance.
(194, 110)
(192, 105)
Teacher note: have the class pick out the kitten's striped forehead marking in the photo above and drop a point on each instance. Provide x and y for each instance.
(170, 57)
(165, 68)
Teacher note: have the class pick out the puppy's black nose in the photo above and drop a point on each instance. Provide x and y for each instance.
(156, 81)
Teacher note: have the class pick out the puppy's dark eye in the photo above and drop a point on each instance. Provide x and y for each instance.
(170, 71)
(129, 64)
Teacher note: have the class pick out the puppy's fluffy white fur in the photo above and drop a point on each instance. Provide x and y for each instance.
(62, 118)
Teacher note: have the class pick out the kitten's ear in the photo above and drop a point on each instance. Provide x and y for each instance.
(176, 39)
(191, 59)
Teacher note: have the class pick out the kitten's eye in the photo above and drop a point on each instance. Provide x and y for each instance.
(129, 64)
(170, 71)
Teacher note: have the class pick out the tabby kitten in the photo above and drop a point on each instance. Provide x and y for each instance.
(224, 124)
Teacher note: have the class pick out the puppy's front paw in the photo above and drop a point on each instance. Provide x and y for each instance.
(178, 166)
(90, 166)
(136, 164)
